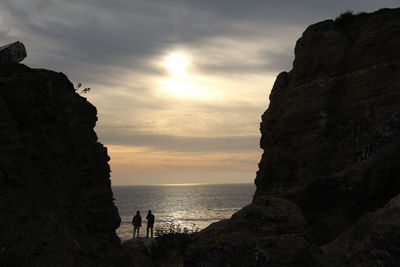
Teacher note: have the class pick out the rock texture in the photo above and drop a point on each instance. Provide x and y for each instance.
(56, 202)
(331, 132)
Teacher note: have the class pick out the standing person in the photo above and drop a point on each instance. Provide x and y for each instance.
(150, 223)
(137, 223)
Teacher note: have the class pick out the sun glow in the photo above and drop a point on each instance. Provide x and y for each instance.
(176, 63)
(179, 82)
(182, 81)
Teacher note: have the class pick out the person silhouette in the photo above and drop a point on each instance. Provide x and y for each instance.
(150, 223)
(137, 223)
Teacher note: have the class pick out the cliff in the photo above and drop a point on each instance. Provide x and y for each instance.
(56, 202)
(333, 119)
(328, 181)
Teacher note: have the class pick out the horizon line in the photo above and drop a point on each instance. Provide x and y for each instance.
(179, 184)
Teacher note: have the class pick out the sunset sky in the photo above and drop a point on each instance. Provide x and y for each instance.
(179, 85)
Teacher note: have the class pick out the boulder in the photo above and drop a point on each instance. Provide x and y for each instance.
(12, 53)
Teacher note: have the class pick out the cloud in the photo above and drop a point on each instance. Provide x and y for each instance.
(149, 166)
(190, 144)
(228, 61)
(126, 34)
(117, 33)
(115, 47)
(278, 60)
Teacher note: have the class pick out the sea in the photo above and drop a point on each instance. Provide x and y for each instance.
(184, 204)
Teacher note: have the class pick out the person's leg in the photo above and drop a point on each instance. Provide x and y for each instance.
(147, 231)
(151, 228)
(134, 231)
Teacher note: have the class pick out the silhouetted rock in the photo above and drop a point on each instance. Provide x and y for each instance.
(12, 53)
(56, 202)
(268, 232)
(331, 120)
(138, 251)
(373, 241)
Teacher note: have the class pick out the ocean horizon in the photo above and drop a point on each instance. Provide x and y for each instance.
(184, 204)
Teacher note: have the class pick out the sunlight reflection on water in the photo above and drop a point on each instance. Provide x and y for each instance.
(186, 205)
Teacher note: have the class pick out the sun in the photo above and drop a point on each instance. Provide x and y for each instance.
(181, 82)
(176, 63)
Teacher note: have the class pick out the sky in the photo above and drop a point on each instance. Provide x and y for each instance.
(179, 85)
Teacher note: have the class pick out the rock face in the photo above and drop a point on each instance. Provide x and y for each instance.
(56, 202)
(331, 132)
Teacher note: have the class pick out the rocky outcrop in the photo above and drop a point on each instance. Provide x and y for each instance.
(12, 53)
(56, 202)
(330, 134)
(268, 232)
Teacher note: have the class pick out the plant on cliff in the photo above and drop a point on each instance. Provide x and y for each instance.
(80, 90)
(347, 17)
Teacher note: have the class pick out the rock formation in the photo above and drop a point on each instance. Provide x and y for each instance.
(269, 232)
(56, 202)
(328, 182)
(12, 53)
(333, 121)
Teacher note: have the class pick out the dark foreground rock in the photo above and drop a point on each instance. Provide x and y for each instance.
(139, 252)
(56, 202)
(268, 232)
(373, 241)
